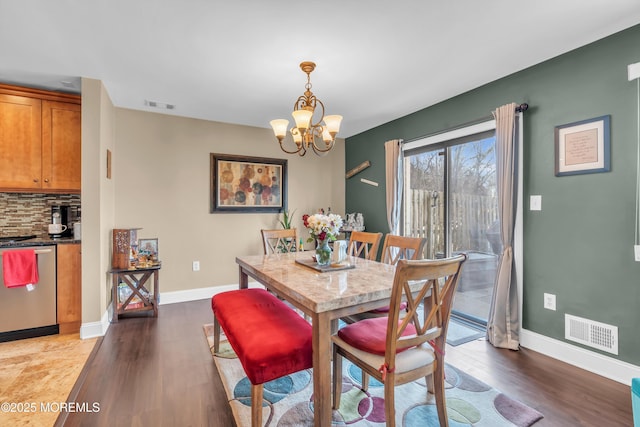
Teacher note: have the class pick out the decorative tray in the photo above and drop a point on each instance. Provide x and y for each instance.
(326, 268)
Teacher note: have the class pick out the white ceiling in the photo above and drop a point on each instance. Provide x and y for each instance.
(236, 61)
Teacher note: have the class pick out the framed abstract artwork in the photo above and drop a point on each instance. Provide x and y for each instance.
(247, 184)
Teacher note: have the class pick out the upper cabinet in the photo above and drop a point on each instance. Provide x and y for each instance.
(40, 141)
(61, 146)
(20, 142)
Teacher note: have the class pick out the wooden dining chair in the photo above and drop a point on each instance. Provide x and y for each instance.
(394, 249)
(279, 241)
(364, 244)
(403, 347)
(397, 247)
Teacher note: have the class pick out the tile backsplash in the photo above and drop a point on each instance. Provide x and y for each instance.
(27, 213)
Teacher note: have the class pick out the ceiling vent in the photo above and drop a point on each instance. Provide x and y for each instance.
(160, 105)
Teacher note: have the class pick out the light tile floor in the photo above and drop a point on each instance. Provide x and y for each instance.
(36, 376)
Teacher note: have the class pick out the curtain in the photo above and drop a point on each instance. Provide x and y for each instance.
(394, 174)
(503, 323)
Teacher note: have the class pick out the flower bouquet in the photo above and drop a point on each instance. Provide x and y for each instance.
(323, 229)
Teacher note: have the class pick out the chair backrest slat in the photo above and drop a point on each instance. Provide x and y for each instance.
(397, 247)
(364, 244)
(279, 241)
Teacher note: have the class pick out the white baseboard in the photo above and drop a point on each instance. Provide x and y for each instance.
(95, 329)
(597, 363)
(199, 293)
(193, 294)
(98, 329)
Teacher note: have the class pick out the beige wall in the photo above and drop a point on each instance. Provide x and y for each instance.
(161, 176)
(97, 198)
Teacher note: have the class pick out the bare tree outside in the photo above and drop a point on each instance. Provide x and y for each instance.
(472, 186)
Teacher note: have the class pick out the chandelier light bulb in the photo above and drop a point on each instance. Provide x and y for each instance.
(279, 127)
(302, 118)
(326, 136)
(333, 124)
(297, 136)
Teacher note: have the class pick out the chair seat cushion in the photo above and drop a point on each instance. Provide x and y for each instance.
(270, 339)
(370, 335)
(403, 306)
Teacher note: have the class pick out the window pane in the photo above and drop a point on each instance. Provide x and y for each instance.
(473, 213)
(424, 201)
(472, 187)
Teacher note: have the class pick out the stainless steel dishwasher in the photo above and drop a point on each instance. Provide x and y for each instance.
(26, 314)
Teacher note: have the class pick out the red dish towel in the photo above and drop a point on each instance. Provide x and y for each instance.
(19, 268)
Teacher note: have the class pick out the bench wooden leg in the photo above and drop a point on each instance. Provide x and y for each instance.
(256, 405)
(216, 336)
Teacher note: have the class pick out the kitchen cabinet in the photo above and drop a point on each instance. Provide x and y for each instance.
(61, 146)
(40, 141)
(20, 142)
(69, 287)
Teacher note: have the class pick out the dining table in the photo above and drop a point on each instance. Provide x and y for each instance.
(324, 296)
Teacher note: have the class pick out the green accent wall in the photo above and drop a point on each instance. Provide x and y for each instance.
(580, 246)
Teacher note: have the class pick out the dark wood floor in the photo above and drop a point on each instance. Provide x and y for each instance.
(159, 372)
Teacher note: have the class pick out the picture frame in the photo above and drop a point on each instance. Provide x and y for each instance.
(148, 247)
(244, 184)
(583, 147)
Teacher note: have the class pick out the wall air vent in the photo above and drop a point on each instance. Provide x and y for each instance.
(161, 105)
(591, 333)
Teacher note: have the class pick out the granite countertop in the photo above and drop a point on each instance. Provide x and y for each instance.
(39, 241)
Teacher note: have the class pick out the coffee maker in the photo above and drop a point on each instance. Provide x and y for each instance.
(61, 214)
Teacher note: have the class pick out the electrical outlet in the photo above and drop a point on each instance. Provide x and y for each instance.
(550, 301)
(196, 266)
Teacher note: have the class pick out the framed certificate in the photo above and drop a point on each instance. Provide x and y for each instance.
(583, 147)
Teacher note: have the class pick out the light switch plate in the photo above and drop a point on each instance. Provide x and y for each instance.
(550, 301)
(535, 203)
(634, 71)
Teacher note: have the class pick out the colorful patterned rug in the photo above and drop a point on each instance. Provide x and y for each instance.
(288, 400)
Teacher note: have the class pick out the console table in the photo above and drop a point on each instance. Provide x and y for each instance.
(137, 297)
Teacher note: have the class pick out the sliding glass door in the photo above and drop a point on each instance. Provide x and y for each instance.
(450, 198)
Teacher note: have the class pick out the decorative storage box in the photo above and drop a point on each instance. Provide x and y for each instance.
(124, 249)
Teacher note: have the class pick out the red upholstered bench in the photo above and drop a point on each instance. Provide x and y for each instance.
(270, 339)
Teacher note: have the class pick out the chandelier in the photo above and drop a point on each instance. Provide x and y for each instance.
(319, 136)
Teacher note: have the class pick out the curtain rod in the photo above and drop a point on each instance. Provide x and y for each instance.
(520, 108)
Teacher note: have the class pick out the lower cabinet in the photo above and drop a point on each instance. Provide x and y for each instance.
(69, 287)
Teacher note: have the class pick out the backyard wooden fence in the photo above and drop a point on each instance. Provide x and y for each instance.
(471, 217)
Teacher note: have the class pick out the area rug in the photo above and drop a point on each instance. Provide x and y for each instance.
(288, 400)
(460, 333)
